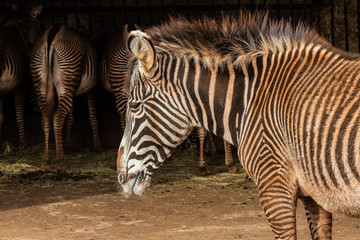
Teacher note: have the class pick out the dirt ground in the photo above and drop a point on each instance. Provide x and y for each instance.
(86, 202)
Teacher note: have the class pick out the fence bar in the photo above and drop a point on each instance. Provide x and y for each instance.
(358, 22)
(116, 13)
(346, 26)
(332, 21)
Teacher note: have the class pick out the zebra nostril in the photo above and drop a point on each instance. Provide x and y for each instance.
(120, 178)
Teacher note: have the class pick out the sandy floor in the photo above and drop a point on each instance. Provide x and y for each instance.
(41, 205)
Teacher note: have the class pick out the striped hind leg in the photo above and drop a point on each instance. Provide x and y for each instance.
(65, 103)
(229, 160)
(201, 165)
(45, 122)
(278, 199)
(68, 124)
(320, 220)
(210, 148)
(123, 122)
(19, 106)
(91, 97)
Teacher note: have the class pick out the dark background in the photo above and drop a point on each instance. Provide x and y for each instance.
(336, 20)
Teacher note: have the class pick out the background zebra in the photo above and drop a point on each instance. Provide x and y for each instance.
(287, 99)
(18, 32)
(114, 69)
(63, 65)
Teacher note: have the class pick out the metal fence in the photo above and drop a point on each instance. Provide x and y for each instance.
(337, 20)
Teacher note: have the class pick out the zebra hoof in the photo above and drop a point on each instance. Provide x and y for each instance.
(62, 167)
(23, 144)
(201, 171)
(99, 149)
(233, 169)
(46, 166)
(22, 147)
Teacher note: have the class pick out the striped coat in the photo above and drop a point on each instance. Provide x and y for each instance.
(287, 99)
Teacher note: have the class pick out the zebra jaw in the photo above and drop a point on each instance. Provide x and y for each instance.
(137, 183)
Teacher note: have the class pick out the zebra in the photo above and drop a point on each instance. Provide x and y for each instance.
(63, 65)
(286, 98)
(113, 71)
(211, 148)
(18, 32)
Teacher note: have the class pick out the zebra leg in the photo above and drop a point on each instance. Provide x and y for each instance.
(278, 199)
(229, 160)
(201, 165)
(320, 220)
(64, 105)
(210, 149)
(91, 97)
(19, 106)
(45, 122)
(68, 124)
(123, 122)
(1, 120)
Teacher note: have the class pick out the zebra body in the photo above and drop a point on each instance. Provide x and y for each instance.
(63, 65)
(17, 34)
(287, 99)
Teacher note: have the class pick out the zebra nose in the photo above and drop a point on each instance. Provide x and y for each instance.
(121, 179)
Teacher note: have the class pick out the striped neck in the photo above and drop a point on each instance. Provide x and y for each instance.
(212, 98)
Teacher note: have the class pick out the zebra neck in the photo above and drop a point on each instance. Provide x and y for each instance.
(215, 97)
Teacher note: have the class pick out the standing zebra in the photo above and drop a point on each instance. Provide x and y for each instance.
(287, 99)
(18, 32)
(114, 69)
(63, 65)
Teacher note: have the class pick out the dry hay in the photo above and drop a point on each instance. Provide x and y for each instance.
(23, 167)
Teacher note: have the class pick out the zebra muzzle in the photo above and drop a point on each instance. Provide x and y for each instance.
(135, 183)
(120, 178)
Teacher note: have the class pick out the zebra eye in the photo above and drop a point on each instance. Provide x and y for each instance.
(134, 104)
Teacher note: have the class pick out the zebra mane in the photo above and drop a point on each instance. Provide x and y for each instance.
(232, 37)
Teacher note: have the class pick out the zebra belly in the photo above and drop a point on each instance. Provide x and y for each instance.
(8, 81)
(343, 199)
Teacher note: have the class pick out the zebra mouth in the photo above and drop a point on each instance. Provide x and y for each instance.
(136, 184)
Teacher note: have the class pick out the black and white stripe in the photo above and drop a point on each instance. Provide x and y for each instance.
(286, 98)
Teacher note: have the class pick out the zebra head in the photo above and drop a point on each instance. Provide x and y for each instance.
(155, 123)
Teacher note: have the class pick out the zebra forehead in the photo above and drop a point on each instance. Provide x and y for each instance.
(230, 37)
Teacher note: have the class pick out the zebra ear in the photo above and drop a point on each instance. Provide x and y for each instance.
(140, 44)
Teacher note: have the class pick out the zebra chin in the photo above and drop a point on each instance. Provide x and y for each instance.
(136, 185)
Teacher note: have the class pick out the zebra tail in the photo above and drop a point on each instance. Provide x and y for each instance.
(50, 94)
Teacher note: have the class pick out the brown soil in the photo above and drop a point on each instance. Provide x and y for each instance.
(86, 203)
